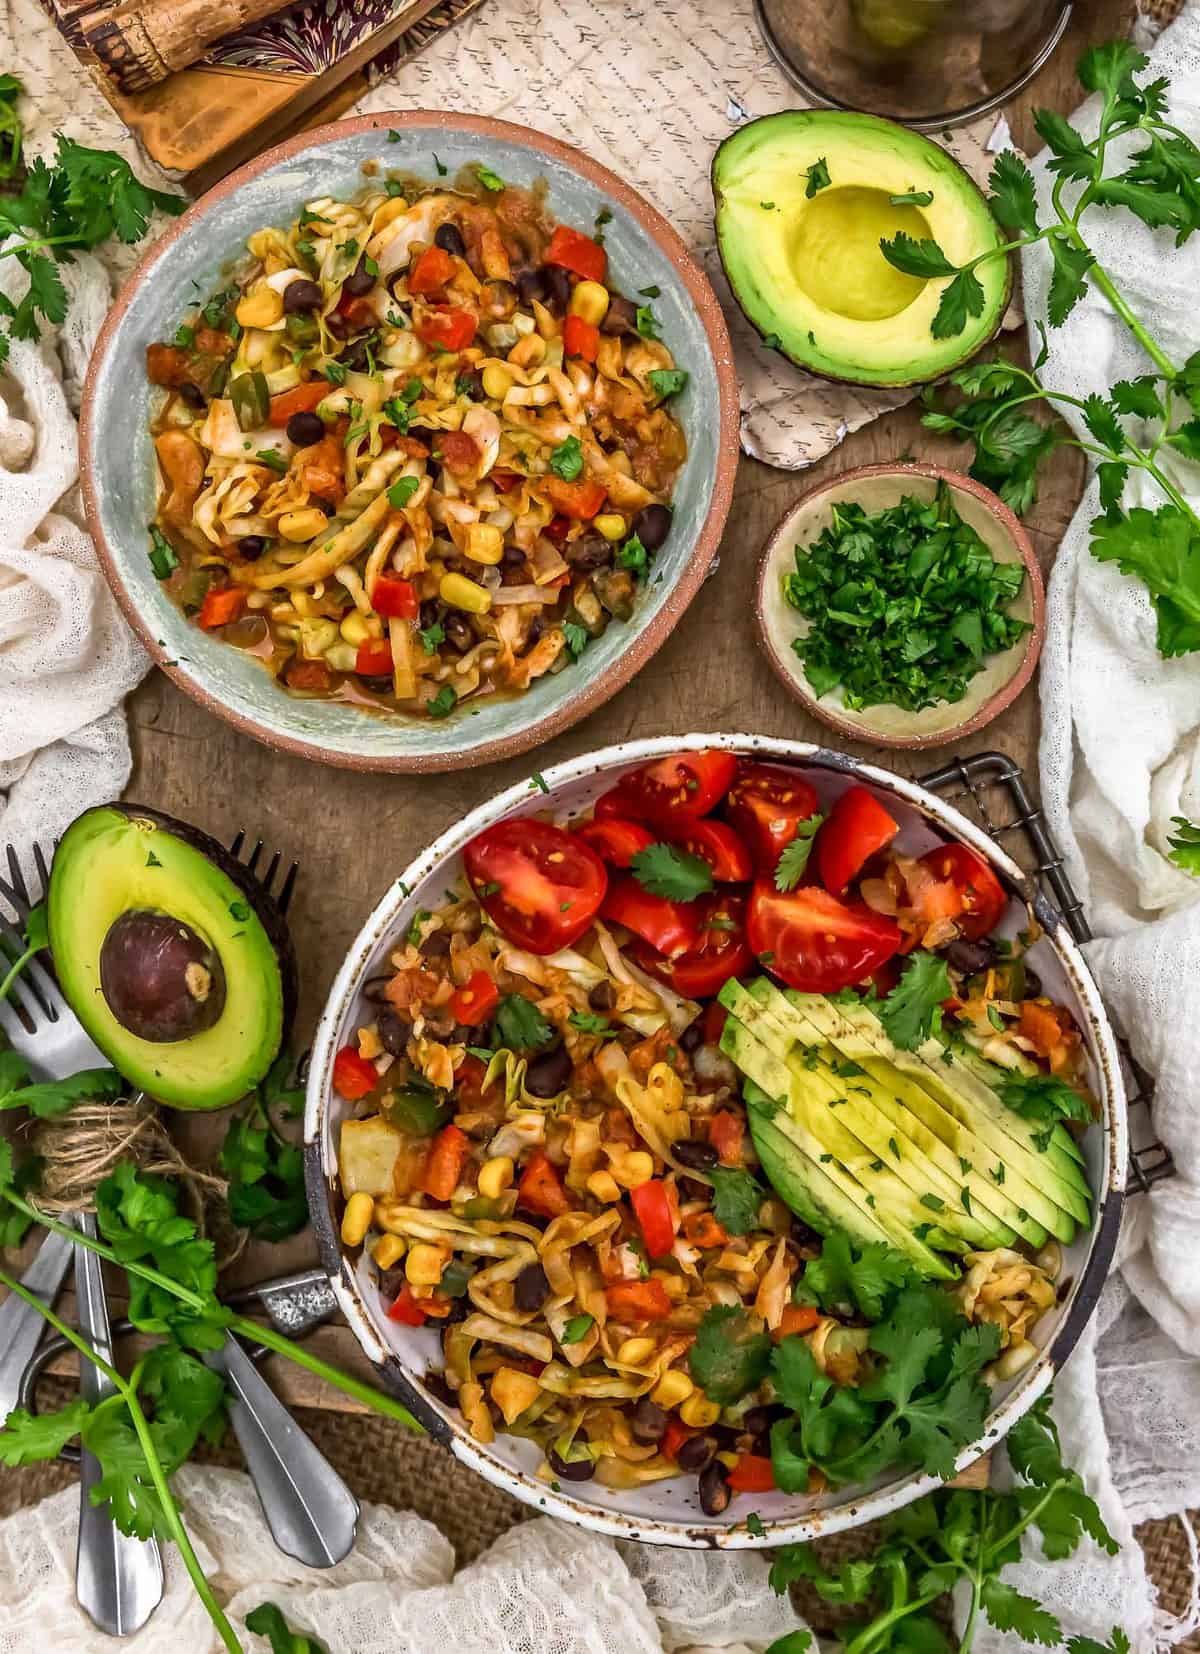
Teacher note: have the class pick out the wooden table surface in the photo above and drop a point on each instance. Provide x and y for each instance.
(353, 833)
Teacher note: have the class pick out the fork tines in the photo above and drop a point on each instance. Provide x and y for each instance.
(14, 889)
(281, 897)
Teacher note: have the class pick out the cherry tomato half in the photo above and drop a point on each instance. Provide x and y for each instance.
(814, 942)
(679, 788)
(722, 951)
(671, 928)
(609, 806)
(983, 897)
(541, 886)
(767, 804)
(615, 841)
(856, 827)
(716, 843)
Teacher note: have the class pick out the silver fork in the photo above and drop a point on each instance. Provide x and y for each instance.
(309, 1509)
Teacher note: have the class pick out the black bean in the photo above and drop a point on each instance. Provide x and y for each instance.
(436, 946)
(252, 546)
(394, 1031)
(761, 1444)
(380, 685)
(756, 1420)
(430, 614)
(531, 285)
(714, 1489)
(580, 1470)
(391, 1282)
(472, 384)
(305, 428)
(969, 957)
(695, 1453)
(359, 281)
(1033, 984)
(692, 1038)
(652, 525)
(621, 316)
(649, 1421)
(548, 1074)
(358, 357)
(192, 395)
(458, 634)
(513, 557)
(302, 296)
(558, 287)
(460, 1308)
(602, 997)
(590, 551)
(699, 1156)
(450, 239)
(536, 627)
(340, 326)
(531, 1287)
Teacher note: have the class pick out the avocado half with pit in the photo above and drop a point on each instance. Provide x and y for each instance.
(806, 268)
(173, 958)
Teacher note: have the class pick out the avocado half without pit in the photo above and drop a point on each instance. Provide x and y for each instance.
(804, 199)
(176, 962)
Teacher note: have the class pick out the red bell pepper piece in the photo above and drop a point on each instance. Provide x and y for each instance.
(726, 1133)
(300, 399)
(447, 1156)
(752, 1474)
(577, 252)
(395, 599)
(540, 1189)
(674, 1436)
(796, 1318)
(356, 308)
(581, 338)
(406, 1309)
(353, 1076)
(579, 500)
(432, 270)
(653, 1212)
(450, 329)
(222, 606)
(476, 1000)
(638, 1300)
(374, 658)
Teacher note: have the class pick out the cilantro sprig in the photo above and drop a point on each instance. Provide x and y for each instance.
(793, 861)
(737, 1198)
(912, 1011)
(665, 870)
(266, 1170)
(1184, 844)
(847, 1277)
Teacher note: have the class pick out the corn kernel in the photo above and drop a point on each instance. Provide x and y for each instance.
(497, 381)
(356, 1219)
(461, 593)
(672, 1389)
(485, 543)
(389, 1249)
(589, 301)
(610, 525)
(602, 1186)
(633, 1169)
(729, 1460)
(634, 1351)
(303, 525)
(425, 1263)
(495, 1176)
(261, 308)
(699, 1412)
(354, 628)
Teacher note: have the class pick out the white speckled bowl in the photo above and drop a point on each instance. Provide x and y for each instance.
(119, 473)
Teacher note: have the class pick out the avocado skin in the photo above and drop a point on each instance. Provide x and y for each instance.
(266, 911)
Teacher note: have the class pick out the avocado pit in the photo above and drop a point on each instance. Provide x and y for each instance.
(160, 979)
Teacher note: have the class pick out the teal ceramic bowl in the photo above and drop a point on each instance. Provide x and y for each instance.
(120, 476)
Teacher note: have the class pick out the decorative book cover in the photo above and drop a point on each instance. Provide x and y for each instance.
(252, 87)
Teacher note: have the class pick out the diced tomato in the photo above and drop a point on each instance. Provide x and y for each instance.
(374, 658)
(674, 1436)
(578, 500)
(768, 804)
(983, 896)
(727, 1133)
(300, 399)
(323, 470)
(638, 1300)
(475, 1001)
(406, 1309)
(752, 1474)
(506, 481)
(460, 452)
(540, 1188)
(557, 529)
(221, 606)
(1040, 1026)
(167, 365)
(353, 1076)
(450, 329)
(395, 599)
(702, 1229)
(357, 309)
(712, 1025)
(576, 252)
(541, 886)
(432, 270)
(720, 951)
(675, 790)
(716, 843)
(652, 1208)
(796, 1318)
(614, 841)
(856, 828)
(581, 338)
(468, 1082)
(312, 675)
(671, 928)
(448, 1154)
(814, 942)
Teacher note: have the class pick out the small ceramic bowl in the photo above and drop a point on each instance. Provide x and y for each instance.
(875, 488)
(119, 471)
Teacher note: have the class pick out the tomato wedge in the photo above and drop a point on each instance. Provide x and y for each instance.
(541, 886)
(677, 789)
(768, 804)
(611, 805)
(983, 897)
(814, 942)
(671, 928)
(652, 1208)
(720, 952)
(540, 1189)
(615, 841)
(716, 843)
(856, 827)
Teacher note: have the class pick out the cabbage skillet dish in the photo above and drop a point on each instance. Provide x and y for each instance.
(716, 1136)
(419, 450)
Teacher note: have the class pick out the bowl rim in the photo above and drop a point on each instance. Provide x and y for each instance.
(590, 692)
(440, 1423)
(794, 681)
